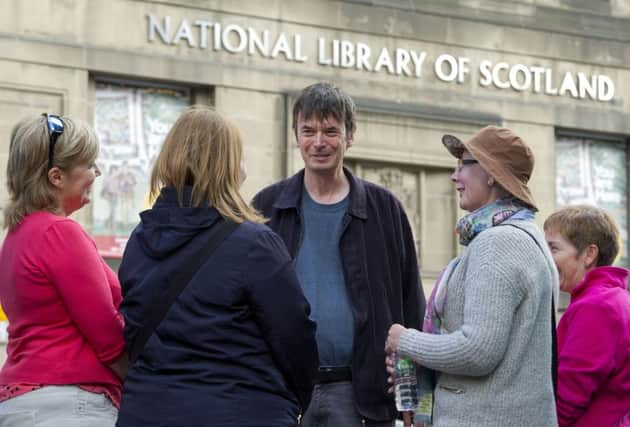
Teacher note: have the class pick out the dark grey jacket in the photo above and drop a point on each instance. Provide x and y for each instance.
(380, 269)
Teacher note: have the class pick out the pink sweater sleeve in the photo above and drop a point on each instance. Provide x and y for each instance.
(78, 272)
(585, 360)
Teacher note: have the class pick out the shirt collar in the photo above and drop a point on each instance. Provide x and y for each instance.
(609, 276)
(291, 195)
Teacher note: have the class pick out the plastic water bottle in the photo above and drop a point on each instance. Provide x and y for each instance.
(405, 382)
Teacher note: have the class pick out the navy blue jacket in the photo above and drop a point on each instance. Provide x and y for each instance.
(380, 270)
(237, 348)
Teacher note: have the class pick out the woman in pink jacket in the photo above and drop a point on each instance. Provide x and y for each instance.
(66, 352)
(594, 332)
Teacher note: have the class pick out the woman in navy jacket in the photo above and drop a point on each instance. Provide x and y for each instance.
(237, 347)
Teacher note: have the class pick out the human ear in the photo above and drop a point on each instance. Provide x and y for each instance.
(591, 256)
(349, 140)
(56, 177)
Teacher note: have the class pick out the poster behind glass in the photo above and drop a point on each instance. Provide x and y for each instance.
(594, 172)
(131, 123)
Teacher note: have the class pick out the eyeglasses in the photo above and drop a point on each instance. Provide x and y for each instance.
(55, 127)
(465, 162)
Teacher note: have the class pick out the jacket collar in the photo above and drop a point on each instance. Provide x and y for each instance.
(291, 195)
(608, 276)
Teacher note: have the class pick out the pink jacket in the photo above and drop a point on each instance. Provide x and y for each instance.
(594, 351)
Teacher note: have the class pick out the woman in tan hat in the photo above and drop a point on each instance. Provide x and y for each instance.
(487, 340)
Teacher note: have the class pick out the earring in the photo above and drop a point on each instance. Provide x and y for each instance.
(490, 182)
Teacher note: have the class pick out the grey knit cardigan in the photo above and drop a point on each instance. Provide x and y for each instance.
(494, 353)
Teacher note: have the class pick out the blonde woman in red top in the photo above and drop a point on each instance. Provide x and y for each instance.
(65, 355)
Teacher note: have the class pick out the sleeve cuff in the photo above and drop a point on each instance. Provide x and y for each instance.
(112, 355)
(407, 345)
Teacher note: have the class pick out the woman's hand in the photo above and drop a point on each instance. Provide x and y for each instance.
(120, 366)
(391, 345)
(393, 337)
(407, 415)
(389, 368)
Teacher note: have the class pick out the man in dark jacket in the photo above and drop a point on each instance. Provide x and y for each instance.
(355, 257)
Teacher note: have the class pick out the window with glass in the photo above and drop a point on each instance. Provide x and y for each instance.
(593, 170)
(131, 123)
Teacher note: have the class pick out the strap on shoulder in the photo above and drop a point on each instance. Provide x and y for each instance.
(554, 336)
(176, 283)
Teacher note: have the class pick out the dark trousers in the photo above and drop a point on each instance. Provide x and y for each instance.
(332, 405)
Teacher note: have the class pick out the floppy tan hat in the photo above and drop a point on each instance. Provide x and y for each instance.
(503, 155)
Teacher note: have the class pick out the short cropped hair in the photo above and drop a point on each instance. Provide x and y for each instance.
(204, 150)
(584, 225)
(323, 100)
(27, 168)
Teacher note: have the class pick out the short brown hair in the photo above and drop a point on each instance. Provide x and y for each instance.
(204, 150)
(584, 225)
(323, 100)
(27, 168)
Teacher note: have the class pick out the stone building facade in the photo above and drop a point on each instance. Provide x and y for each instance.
(555, 71)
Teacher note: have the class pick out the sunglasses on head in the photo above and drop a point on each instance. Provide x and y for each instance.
(55, 127)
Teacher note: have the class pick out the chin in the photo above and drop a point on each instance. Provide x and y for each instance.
(469, 207)
(565, 287)
(464, 206)
(319, 167)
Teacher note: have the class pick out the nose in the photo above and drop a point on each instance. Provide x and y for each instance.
(97, 170)
(454, 175)
(319, 139)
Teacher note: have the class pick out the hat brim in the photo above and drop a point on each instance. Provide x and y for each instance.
(454, 145)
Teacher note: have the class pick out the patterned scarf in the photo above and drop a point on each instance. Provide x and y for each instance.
(489, 216)
(432, 322)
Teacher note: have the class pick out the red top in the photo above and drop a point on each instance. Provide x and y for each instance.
(61, 300)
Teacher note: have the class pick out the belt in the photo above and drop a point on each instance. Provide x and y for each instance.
(332, 374)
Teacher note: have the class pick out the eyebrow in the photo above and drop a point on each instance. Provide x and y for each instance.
(325, 127)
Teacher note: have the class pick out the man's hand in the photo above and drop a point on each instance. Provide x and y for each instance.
(408, 420)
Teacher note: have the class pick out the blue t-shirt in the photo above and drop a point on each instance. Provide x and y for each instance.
(319, 269)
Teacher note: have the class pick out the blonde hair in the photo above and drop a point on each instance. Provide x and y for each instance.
(27, 168)
(583, 225)
(203, 150)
